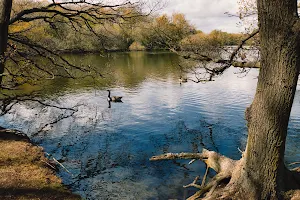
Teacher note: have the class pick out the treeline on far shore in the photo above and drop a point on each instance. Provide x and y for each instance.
(149, 32)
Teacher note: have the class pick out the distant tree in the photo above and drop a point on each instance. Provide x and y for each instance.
(166, 32)
(31, 32)
(24, 33)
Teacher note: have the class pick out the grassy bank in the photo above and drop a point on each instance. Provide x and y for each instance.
(25, 173)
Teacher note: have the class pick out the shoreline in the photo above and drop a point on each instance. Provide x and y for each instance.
(25, 171)
(81, 51)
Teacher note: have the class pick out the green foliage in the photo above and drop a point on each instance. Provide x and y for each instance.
(209, 43)
(166, 32)
(149, 32)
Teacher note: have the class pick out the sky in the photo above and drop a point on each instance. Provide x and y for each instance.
(206, 15)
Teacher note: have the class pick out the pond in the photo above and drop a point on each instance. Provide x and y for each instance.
(107, 148)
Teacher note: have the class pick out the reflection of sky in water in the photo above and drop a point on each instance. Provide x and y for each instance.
(108, 150)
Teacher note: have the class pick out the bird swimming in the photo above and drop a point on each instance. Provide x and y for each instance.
(182, 80)
(113, 98)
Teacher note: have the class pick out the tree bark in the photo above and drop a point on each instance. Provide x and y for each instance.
(261, 172)
(5, 10)
(269, 112)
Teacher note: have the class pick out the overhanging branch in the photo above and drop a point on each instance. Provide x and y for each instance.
(224, 63)
(76, 9)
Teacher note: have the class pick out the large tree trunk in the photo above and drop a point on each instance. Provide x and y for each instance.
(269, 113)
(5, 10)
(261, 172)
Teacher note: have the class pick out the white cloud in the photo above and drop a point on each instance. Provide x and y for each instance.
(206, 15)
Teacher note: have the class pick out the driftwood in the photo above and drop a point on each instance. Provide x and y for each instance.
(222, 165)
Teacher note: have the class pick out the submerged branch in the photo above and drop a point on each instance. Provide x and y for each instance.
(172, 156)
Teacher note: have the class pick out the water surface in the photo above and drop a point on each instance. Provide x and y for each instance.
(107, 150)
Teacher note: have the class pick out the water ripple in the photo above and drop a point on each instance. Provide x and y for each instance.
(108, 149)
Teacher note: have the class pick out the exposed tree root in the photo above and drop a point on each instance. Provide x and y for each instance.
(222, 165)
(210, 187)
(194, 184)
(229, 183)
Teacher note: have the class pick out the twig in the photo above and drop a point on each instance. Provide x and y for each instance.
(62, 166)
(194, 184)
(297, 169)
(240, 150)
(54, 159)
(204, 177)
(294, 163)
(192, 161)
(210, 186)
(49, 164)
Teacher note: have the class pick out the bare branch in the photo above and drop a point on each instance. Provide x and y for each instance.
(234, 53)
(58, 119)
(224, 63)
(80, 9)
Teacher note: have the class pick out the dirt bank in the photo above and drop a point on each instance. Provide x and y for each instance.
(25, 173)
